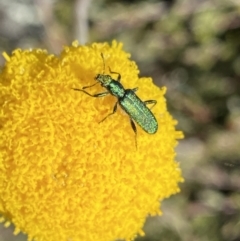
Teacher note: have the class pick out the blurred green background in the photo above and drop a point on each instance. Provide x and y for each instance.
(190, 46)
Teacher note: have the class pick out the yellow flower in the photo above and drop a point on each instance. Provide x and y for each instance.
(65, 177)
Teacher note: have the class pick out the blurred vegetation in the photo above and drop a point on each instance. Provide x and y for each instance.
(192, 47)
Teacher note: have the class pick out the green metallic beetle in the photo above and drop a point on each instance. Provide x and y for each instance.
(128, 100)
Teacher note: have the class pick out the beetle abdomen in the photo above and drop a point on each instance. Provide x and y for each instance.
(138, 111)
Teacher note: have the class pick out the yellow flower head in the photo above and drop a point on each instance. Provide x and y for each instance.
(63, 175)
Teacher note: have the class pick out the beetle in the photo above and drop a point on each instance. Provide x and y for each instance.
(136, 109)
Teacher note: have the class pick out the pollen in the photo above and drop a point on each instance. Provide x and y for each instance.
(65, 176)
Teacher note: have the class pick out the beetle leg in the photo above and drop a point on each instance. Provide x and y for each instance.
(147, 102)
(135, 89)
(85, 87)
(95, 95)
(135, 130)
(114, 110)
(119, 76)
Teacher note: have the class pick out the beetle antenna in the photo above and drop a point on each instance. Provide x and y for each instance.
(103, 63)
